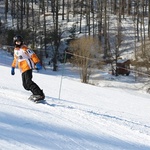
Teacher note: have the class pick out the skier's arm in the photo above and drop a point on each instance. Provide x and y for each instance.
(14, 63)
(31, 55)
(34, 58)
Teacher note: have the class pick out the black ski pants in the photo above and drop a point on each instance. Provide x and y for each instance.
(29, 85)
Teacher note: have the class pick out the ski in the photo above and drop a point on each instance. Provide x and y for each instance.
(39, 101)
(36, 99)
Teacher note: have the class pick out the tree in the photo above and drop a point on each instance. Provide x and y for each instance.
(129, 7)
(149, 19)
(86, 52)
(143, 57)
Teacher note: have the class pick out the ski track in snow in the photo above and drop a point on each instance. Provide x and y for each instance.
(53, 102)
(64, 112)
(72, 122)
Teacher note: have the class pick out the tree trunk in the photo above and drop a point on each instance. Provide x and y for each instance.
(149, 19)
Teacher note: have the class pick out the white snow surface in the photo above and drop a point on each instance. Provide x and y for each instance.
(76, 116)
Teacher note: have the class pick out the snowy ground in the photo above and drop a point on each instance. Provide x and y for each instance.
(76, 116)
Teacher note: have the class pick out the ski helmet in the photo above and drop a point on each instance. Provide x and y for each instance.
(17, 38)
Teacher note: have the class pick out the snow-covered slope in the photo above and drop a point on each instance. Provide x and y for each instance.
(76, 116)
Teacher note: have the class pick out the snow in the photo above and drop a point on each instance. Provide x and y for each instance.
(76, 116)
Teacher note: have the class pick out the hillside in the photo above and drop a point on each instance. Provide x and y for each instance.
(76, 116)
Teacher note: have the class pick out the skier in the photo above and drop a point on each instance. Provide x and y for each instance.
(26, 60)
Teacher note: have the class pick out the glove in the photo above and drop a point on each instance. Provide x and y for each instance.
(38, 66)
(12, 71)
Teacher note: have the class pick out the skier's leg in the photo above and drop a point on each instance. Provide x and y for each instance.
(28, 84)
(24, 81)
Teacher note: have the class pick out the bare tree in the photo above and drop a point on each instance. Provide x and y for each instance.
(143, 59)
(56, 37)
(86, 52)
(149, 19)
(105, 30)
(129, 7)
(6, 10)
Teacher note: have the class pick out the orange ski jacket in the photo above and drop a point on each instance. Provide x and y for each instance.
(24, 58)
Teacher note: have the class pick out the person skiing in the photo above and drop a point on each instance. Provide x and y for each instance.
(26, 60)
